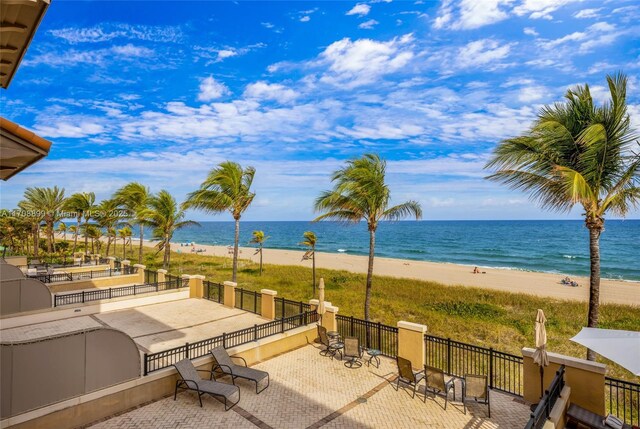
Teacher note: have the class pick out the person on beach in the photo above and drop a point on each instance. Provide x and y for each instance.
(477, 271)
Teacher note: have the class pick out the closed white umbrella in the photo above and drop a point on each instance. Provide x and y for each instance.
(540, 355)
(622, 347)
(321, 309)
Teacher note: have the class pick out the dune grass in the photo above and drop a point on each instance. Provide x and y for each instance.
(502, 320)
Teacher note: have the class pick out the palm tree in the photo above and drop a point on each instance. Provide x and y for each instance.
(33, 216)
(125, 233)
(49, 202)
(94, 233)
(360, 192)
(577, 153)
(259, 238)
(310, 241)
(81, 203)
(227, 187)
(135, 198)
(62, 227)
(165, 218)
(109, 220)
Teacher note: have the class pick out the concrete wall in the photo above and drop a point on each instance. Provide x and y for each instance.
(82, 268)
(585, 378)
(22, 294)
(45, 371)
(9, 272)
(16, 260)
(102, 282)
(104, 403)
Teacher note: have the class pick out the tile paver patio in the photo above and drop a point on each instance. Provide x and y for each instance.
(308, 390)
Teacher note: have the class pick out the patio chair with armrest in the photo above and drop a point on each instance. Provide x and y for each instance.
(435, 383)
(189, 379)
(224, 365)
(352, 352)
(476, 387)
(407, 375)
(331, 346)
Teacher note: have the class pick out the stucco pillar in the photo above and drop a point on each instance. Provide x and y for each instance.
(112, 262)
(411, 343)
(230, 294)
(268, 309)
(329, 317)
(140, 273)
(161, 275)
(196, 286)
(313, 303)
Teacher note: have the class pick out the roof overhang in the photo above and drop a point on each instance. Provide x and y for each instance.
(19, 20)
(19, 148)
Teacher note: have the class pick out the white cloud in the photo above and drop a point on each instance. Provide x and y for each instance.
(596, 35)
(364, 61)
(305, 18)
(368, 25)
(210, 89)
(361, 9)
(65, 129)
(540, 9)
(265, 91)
(532, 93)
(530, 31)
(130, 50)
(107, 32)
(482, 52)
(470, 14)
(587, 13)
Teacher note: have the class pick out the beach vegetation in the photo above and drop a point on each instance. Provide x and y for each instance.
(134, 197)
(259, 238)
(361, 193)
(82, 204)
(310, 240)
(226, 188)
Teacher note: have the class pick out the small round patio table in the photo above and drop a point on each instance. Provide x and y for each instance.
(374, 354)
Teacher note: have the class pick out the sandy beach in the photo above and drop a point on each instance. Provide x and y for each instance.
(533, 283)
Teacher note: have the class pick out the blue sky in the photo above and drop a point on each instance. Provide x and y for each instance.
(161, 92)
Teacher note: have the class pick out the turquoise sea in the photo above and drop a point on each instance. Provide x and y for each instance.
(558, 246)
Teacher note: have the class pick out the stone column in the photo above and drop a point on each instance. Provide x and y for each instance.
(141, 269)
(313, 303)
(268, 309)
(112, 262)
(411, 343)
(161, 275)
(329, 317)
(230, 294)
(196, 287)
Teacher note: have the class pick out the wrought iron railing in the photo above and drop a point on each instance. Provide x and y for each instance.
(371, 335)
(114, 292)
(166, 358)
(213, 291)
(286, 307)
(542, 412)
(84, 275)
(249, 300)
(504, 370)
(623, 400)
(150, 276)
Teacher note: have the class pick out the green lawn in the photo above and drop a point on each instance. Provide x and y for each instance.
(495, 319)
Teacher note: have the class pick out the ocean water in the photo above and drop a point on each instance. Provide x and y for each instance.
(558, 246)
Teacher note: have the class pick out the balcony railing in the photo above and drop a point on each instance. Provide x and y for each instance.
(623, 400)
(371, 335)
(83, 275)
(542, 412)
(115, 292)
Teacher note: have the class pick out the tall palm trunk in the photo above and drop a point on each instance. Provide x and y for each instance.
(594, 280)
(235, 251)
(367, 299)
(124, 247)
(167, 253)
(49, 233)
(108, 245)
(36, 236)
(75, 235)
(141, 240)
(313, 270)
(86, 237)
(260, 260)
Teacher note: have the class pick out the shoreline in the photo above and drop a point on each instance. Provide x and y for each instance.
(541, 284)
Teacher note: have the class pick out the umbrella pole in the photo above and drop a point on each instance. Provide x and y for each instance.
(541, 380)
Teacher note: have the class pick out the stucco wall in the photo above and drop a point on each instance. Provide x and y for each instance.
(23, 294)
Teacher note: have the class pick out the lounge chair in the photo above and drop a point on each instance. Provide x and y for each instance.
(223, 365)
(436, 383)
(331, 346)
(407, 375)
(190, 380)
(476, 387)
(352, 352)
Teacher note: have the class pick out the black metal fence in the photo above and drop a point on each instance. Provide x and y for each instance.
(114, 292)
(84, 275)
(249, 300)
(287, 308)
(166, 358)
(623, 400)
(371, 335)
(213, 291)
(503, 370)
(150, 276)
(540, 415)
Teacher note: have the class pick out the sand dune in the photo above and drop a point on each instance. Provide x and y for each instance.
(540, 284)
